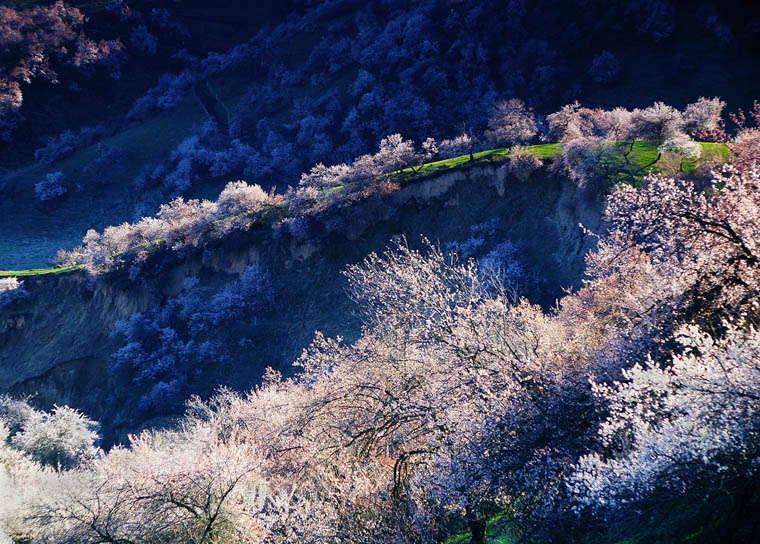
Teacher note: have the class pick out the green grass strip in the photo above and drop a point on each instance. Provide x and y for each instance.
(40, 271)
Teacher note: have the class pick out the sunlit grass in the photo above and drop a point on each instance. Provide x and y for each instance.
(545, 151)
(40, 271)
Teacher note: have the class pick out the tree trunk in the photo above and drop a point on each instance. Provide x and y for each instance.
(659, 156)
(478, 526)
(630, 150)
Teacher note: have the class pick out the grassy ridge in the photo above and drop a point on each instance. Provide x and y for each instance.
(545, 151)
(644, 153)
(40, 271)
(641, 159)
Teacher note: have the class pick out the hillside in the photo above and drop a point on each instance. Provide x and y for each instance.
(526, 222)
(325, 109)
(441, 359)
(309, 290)
(343, 272)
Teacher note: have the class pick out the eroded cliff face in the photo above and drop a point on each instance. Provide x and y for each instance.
(57, 343)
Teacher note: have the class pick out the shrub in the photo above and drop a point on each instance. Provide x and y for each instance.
(504, 262)
(604, 68)
(213, 151)
(653, 18)
(11, 289)
(144, 40)
(56, 147)
(708, 16)
(156, 357)
(65, 143)
(461, 145)
(238, 197)
(166, 95)
(62, 438)
(51, 187)
(13, 413)
(110, 160)
(8, 123)
(511, 122)
(249, 294)
(151, 174)
(523, 162)
(164, 346)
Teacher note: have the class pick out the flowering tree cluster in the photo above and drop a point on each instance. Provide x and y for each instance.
(62, 438)
(170, 486)
(675, 254)
(745, 143)
(178, 224)
(674, 290)
(11, 289)
(183, 223)
(511, 122)
(432, 413)
(705, 243)
(51, 187)
(457, 146)
(677, 428)
(593, 138)
(457, 401)
(34, 44)
(415, 69)
(239, 198)
(595, 145)
(394, 154)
